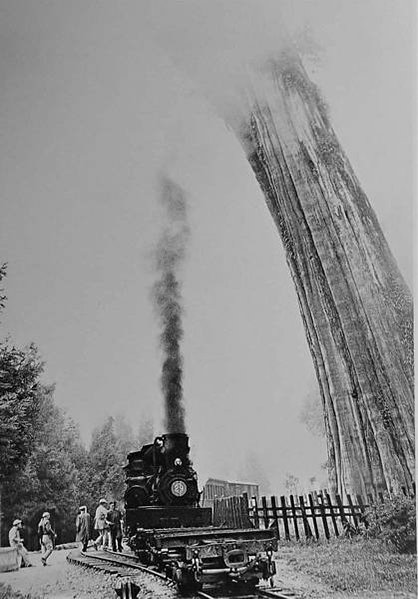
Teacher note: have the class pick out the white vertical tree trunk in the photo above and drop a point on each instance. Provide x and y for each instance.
(355, 306)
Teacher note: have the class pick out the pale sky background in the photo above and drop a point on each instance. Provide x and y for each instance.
(96, 98)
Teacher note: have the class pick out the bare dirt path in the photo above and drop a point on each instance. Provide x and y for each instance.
(62, 580)
(58, 580)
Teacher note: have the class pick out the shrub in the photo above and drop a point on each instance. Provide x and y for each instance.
(394, 521)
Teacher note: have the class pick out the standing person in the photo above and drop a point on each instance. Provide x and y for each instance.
(82, 525)
(100, 524)
(114, 518)
(15, 541)
(46, 536)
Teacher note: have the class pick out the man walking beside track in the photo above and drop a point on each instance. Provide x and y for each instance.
(46, 536)
(82, 525)
(16, 542)
(114, 517)
(101, 524)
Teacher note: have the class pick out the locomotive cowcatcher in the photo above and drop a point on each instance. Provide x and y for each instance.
(167, 527)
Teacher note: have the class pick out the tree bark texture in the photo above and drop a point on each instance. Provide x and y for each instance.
(355, 305)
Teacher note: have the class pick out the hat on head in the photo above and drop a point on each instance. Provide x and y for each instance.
(46, 515)
(16, 522)
(103, 501)
(82, 507)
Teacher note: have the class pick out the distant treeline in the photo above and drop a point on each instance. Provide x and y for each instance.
(44, 465)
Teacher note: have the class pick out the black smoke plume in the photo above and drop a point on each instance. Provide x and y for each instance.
(170, 254)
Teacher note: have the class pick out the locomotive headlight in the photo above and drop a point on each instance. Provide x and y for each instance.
(177, 462)
(178, 488)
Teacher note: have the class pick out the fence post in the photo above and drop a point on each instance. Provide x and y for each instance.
(331, 511)
(295, 522)
(265, 512)
(285, 520)
(256, 517)
(306, 527)
(353, 512)
(324, 518)
(275, 515)
(341, 510)
(313, 514)
(362, 510)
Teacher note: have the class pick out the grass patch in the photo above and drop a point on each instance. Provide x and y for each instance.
(354, 565)
(6, 592)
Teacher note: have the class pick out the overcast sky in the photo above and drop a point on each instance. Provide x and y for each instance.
(99, 97)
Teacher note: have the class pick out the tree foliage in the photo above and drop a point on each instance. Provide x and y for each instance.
(394, 521)
(54, 476)
(42, 460)
(20, 402)
(44, 466)
(110, 445)
(292, 483)
(146, 433)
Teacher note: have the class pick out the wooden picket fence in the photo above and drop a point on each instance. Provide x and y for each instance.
(309, 516)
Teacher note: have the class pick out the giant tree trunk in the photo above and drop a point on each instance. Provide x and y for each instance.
(355, 306)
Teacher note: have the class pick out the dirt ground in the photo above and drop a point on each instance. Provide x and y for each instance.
(61, 580)
(58, 580)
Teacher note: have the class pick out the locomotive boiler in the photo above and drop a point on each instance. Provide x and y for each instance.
(167, 527)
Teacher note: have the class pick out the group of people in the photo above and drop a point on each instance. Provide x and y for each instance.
(108, 523)
(46, 537)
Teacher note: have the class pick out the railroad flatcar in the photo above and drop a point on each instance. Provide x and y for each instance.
(167, 526)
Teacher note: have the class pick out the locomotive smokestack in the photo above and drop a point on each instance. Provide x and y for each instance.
(170, 253)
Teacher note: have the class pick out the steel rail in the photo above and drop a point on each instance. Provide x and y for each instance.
(130, 562)
(126, 561)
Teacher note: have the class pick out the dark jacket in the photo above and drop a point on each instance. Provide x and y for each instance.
(114, 517)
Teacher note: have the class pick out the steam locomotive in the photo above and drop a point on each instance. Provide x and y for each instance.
(167, 527)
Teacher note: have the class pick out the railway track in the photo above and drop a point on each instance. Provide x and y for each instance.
(125, 566)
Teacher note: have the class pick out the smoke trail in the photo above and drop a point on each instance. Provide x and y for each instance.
(166, 293)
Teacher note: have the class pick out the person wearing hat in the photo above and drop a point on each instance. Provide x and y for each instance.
(16, 542)
(82, 525)
(114, 516)
(101, 524)
(46, 536)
